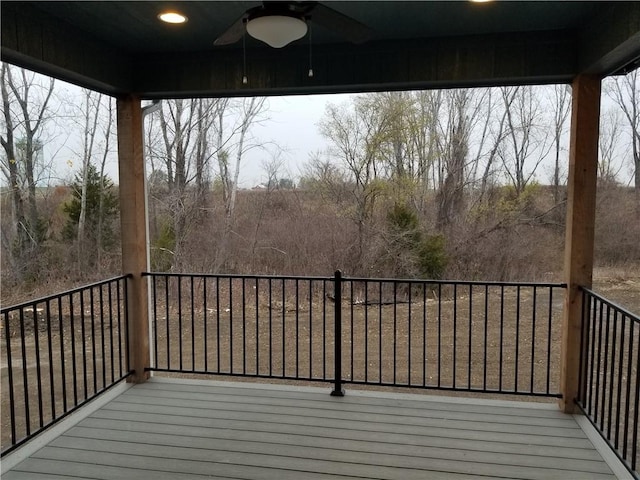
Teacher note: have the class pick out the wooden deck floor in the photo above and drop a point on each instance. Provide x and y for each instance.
(170, 429)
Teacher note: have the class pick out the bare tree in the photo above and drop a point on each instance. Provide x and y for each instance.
(610, 132)
(421, 126)
(357, 134)
(250, 110)
(91, 113)
(625, 92)
(526, 144)
(561, 105)
(495, 131)
(197, 138)
(26, 110)
(105, 154)
(455, 130)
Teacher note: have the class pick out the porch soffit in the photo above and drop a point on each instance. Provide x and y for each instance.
(121, 47)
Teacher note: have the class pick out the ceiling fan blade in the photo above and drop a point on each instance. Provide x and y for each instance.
(233, 33)
(345, 26)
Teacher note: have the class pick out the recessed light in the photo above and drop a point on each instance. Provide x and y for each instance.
(172, 17)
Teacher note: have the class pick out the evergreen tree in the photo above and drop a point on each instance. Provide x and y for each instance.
(102, 210)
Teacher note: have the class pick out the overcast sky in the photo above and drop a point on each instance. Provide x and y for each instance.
(292, 125)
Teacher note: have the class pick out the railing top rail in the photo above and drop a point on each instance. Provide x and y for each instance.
(458, 282)
(61, 294)
(624, 311)
(235, 275)
(362, 279)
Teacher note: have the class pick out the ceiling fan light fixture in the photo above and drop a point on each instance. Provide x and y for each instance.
(277, 30)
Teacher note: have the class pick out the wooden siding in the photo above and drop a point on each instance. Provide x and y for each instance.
(168, 429)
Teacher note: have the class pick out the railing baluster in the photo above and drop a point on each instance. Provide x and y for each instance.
(297, 315)
(409, 337)
(636, 412)
(103, 350)
(337, 391)
(111, 351)
(270, 327)
(584, 340)
(73, 351)
(486, 340)
(25, 383)
(501, 342)
(424, 334)
(533, 340)
(180, 322)
(84, 345)
(549, 327)
(193, 324)
(380, 333)
(366, 332)
(612, 372)
(628, 393)
(454, 370)
(126, 326)
(284, 331)
(62, 363)
(605, 367)
(395, 331)
(517, 354)
(122, 285)
(205, 322)
(439, 357)
(12, 402)
(52, 388)
(219, 368)
(311, 284)
(620, 373)
(93, 341)
(167, 315)
(257, 295)
(154, 294)
(598, 373)
(244, 327)
(36, 336)
(230, 325)
(592, 356)
(324, 330)
(470, 340)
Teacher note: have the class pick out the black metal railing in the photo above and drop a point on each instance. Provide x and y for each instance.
(493, 337)
(58, 353)
(609, 385)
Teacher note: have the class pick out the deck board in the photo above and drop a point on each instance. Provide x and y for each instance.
(181, 429)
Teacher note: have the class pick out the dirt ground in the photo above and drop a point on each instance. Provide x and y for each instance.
(470, 339)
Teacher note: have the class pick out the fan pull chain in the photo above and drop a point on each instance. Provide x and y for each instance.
(310, 53)
(244, 58)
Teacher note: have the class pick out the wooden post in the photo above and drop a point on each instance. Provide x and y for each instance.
(581, 206)
(133, 221)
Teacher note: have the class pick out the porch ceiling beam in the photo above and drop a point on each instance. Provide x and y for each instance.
(420, 63)
(34, 40)
(611, 42)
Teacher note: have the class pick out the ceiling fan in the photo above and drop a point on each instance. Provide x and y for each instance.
(280, 23)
